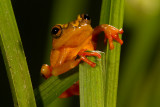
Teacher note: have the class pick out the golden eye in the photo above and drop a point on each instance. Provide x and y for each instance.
(56, 31)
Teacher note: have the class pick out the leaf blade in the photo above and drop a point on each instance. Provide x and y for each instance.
(14, 57)
(115, 13)
(91, 83)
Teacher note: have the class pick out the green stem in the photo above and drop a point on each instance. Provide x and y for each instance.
(14, 58)
(112, 56)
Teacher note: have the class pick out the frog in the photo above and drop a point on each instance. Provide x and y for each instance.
(72, 43)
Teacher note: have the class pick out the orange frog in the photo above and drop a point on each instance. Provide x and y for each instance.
(70, 44)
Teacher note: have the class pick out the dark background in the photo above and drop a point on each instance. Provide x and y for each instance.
(139, 82)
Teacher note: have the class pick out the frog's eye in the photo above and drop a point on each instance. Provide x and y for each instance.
(85, 16)
(56, 31)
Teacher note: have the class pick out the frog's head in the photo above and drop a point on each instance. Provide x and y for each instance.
(72, 34)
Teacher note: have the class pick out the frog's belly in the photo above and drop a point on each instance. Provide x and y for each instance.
(61, 56)
(74, 51)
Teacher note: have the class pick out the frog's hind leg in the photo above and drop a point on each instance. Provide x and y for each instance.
(73, 90)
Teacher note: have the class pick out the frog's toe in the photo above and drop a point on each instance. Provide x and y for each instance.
(116, 38)
(120, 41)
(120, 31)
(112, 34)
(83, 53)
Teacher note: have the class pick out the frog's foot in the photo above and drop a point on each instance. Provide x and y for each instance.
(82, 53)
(46, 71)
(111, 33)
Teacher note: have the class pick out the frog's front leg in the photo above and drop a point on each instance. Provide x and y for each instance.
(83, 53)
(57, 58)
(46, 70)
(111, 33)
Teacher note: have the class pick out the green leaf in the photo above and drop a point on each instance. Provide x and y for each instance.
(53, 87)
(115, 14)
(14, 58)
(91, 83)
